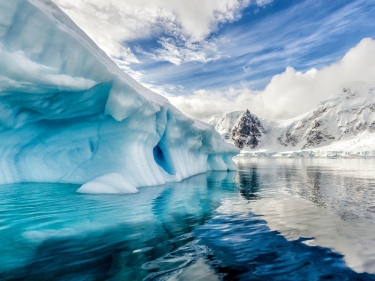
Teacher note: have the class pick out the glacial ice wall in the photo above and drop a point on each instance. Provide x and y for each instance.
(69, 114)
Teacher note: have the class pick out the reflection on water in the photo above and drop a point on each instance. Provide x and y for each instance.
(344, 186)
(248, 183)
(54, 232)
(283, 219)
(246, 249)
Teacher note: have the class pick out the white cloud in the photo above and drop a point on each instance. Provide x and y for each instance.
(177, 51)
(203, 104)
(111, 23)
(263, 2)
(290, 93)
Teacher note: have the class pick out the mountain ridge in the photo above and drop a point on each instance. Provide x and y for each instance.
(349, 115)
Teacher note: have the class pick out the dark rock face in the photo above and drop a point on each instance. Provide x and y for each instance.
(317, 136)
(288, 138)
(247, 131)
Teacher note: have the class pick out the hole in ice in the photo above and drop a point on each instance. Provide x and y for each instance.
(92, 145)
(161, 161)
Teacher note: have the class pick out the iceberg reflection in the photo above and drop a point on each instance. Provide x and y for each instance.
(267, 221)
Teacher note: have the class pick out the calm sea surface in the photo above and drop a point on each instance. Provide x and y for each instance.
(273, 219)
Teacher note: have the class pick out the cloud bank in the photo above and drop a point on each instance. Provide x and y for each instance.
(290, 93)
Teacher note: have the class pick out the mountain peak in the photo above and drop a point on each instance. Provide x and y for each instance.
(349, 114)
(247, 131)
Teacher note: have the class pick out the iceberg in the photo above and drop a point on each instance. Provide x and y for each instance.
(69, 114)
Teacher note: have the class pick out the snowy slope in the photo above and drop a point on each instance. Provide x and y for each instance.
(341, 126)
(69, 114)
(223, 125)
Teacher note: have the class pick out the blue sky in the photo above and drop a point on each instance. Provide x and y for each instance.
(297, 33)
(229, 51)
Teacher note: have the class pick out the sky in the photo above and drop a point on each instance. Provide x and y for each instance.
(277, 58)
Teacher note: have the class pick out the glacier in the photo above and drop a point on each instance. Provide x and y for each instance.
(69, 114)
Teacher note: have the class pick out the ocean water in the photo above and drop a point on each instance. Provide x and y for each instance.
(273, 219)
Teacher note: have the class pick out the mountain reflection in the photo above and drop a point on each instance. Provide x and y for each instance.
(345, 186)
(248, 182)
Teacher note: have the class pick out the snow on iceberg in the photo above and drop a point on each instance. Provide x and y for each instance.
(69, 114)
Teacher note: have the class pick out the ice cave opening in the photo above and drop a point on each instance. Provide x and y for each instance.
(162, 161)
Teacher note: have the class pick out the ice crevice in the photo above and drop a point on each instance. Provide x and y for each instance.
(69, 114)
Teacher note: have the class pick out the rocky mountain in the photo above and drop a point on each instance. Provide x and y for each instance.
(348, 116)
(247, 131)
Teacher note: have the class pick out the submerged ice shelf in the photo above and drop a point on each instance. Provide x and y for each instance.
(68, 114)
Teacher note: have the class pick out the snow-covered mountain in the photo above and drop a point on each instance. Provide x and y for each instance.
(345, 123)
(241, 128)
(247, 131)
(69, 114)
(223, 125)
